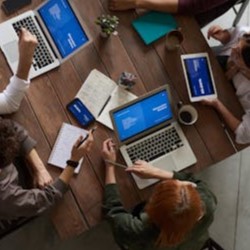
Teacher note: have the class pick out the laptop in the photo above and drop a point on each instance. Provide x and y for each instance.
(146, 129)
(59, 31)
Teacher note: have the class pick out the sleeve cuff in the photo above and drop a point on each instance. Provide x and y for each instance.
(60, 185)
(20, 81)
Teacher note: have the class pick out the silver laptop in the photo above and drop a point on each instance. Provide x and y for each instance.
(146, 130)
(59, 32)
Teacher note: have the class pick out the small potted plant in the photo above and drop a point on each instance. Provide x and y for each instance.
(108, 25)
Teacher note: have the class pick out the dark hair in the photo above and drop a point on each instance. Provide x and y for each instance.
(9, 144)
(245, 51)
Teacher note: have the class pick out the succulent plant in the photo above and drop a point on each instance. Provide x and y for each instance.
(108, 24)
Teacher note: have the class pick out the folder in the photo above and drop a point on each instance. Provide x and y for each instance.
(154, 25)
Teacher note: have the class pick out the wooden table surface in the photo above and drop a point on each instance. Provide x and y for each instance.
(43, 109)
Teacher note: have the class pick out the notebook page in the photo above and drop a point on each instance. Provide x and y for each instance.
(95, 91)
(61, 151)
(119, 97)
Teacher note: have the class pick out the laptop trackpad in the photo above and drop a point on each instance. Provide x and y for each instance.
(11, 51)
(166, 163)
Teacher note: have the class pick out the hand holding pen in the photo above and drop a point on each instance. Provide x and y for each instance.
(82, 145)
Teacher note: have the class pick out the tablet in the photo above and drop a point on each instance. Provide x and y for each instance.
(198, 76)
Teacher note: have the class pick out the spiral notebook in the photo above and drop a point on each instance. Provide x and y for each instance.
(61, 151)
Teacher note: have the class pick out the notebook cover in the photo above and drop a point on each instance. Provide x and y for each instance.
(154, 25)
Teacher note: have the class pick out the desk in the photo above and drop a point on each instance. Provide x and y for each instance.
(43, 110)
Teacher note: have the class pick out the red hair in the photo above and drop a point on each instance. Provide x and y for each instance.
(174, 209)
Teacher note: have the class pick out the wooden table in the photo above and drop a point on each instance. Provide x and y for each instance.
(43, 109)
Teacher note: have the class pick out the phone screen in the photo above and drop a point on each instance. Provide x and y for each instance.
(80, 112)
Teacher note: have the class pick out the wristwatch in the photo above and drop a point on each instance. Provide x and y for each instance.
(72, 164)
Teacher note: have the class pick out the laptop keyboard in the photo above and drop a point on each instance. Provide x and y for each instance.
(42, 56)
(155, 146)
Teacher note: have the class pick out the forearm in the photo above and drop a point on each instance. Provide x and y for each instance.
(158, 5)
(24, 68)
(162, 174)
(231, 121)
(35, 161)
(67, 174)
(110, 174)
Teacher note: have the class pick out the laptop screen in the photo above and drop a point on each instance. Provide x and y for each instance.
(199, 77)
(142, 115)
(63, 26)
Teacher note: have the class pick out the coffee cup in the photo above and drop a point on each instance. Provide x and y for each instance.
(187, 114)
(174, 39)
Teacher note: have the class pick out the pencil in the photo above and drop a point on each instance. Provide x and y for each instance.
(116, 164)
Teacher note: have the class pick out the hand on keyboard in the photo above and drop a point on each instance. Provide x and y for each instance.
(27, 44)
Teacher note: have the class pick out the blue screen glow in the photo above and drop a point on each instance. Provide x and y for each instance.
(63, 26)
(142, 115)
(199, 77)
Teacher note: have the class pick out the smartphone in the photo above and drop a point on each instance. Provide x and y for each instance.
(80, 112)
(10, 6)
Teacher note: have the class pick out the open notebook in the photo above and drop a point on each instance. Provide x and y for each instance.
(61, 151)
(100, 94)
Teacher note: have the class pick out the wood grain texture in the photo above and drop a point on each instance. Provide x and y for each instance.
(44, 108)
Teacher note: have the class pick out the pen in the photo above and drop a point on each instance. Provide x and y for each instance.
(105, 104)
(116, 164)
(86, 137)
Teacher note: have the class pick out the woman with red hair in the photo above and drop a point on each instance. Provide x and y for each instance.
(176, 216)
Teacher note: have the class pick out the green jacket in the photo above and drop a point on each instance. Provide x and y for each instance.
(137, 233)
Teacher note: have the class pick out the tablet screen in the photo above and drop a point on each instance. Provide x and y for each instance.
(198, 75)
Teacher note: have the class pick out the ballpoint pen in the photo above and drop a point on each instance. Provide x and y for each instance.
(86, 137)
(116, 164)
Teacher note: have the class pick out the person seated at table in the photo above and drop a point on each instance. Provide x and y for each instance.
(20, 201)
(234, 55)
(11, 97)
(176, 216)
(203, 10)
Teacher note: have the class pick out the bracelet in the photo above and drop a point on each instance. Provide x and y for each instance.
(72, 164)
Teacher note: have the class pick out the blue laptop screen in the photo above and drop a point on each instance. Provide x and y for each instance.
(63, 26)
(142, 115)
(199, 78)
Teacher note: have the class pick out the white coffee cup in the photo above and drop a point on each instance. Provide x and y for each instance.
(187, 114)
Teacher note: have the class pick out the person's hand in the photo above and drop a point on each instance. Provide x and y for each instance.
(214, 31)
(77, 151)
(144, 170)
(27, 44)
(42, 179)
(213, 102)
(217, 33)
(121, 4)
(108, 150)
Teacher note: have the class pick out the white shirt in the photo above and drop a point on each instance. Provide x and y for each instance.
(241, 84)
(11, 97)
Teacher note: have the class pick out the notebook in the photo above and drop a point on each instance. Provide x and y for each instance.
(61, 151)
(154, 25)
(59, 31)
(100, 94)
(146, 129)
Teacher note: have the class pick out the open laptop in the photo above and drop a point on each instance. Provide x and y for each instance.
(146, 130)
(59, 32)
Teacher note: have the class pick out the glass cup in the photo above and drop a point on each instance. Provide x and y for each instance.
(174, 39)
